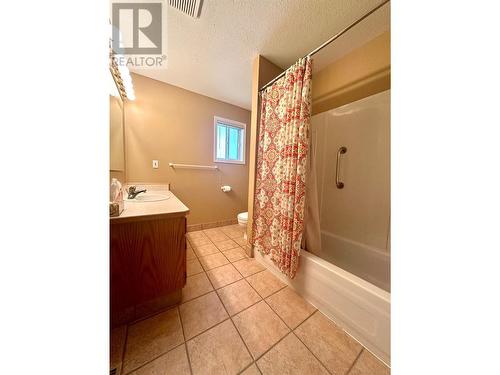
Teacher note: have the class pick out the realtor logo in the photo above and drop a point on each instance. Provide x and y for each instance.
(139, 32)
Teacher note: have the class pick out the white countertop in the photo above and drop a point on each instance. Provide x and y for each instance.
(138, 211)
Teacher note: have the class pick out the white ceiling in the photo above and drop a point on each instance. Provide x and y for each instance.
(213, 55)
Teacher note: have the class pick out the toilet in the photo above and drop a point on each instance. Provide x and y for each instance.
(242, 221)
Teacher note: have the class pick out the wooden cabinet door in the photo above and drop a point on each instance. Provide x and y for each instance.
(148, 260)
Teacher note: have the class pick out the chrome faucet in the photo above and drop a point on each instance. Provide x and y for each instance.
(132, 193)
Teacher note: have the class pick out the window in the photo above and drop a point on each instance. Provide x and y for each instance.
(229, 138)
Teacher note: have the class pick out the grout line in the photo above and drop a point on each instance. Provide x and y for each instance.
(254, 360)
(306, 319)
(298, 325)
(250, 365)
(276, 291)
(231, 318)
(307, 347)
(162, 354)
(263, 299)
(271, 348)
(184, 337)
(310, 351)
(354, 362)
(290, 331)
(207, 329)
(303, 320)
(204, 294)
(277, 313)
(189, 359)
(153, 314)
(153, 359)
(123, 350)
(192, 299)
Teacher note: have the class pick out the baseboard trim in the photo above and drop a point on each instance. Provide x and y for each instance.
(215, 224)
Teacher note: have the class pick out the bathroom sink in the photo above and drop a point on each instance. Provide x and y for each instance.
(149, 197)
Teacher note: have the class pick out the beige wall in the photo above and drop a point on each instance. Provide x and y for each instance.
(263, 71)
(171, 124)
(361, 73)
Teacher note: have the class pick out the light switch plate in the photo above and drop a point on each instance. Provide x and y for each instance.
(155, 164)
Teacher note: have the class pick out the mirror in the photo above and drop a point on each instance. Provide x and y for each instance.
(116, 138)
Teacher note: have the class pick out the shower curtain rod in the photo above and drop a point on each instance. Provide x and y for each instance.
(336, 36)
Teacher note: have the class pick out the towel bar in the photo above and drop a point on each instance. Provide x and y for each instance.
(192, 166)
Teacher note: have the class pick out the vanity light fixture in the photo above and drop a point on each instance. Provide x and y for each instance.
(113, 88)
(122, 77)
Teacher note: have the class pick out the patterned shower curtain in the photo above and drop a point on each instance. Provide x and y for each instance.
(283, 145)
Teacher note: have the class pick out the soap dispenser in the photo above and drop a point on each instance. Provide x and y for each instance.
(115, 198)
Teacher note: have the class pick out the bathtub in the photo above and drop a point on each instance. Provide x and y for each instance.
(362, 309)
(368, 262)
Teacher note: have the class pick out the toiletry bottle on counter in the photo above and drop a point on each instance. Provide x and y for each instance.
(115, 198)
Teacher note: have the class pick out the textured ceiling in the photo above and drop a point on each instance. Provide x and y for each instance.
(213, 55)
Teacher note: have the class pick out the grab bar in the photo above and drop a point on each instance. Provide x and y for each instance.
(192, 166)
(340, 184)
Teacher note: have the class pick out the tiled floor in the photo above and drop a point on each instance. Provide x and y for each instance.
(236, 318)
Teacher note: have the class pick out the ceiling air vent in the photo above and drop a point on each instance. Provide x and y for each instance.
(190, 7)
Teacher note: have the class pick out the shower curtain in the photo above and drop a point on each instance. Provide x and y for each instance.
(283, 146)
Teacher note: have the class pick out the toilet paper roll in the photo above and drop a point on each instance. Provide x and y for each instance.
(225, 188)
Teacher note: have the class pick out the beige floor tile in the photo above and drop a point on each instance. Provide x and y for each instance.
(200, 241)
(224, 275)
(226, 245)
(241, 241)
(229, 227)
(212, 261)
(235, 254)
(260, 327)
(117, 342)
(235, 234)
(155, 305)
(205, 250)
(217, 236)
(334, 348)
(233, 231)
(265, 283)
(291, 307)
(193, 267)
(174, 362)
(196, 286)
(252, 370)
(152, 337)
(368, 364)
(238, 296)
(201, 313)
(290, 356)
(190, 254)
(248, 266)
(194, 235)
(212, 231)
(218, 351)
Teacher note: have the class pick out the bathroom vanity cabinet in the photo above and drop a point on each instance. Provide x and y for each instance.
(147, 259)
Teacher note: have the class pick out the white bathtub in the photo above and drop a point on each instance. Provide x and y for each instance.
(360, 308)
